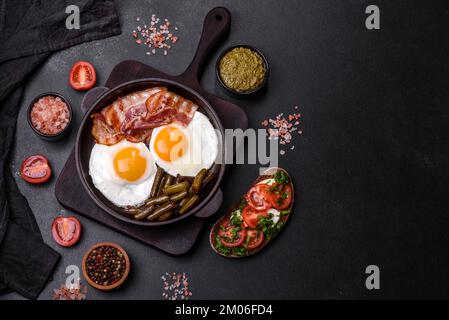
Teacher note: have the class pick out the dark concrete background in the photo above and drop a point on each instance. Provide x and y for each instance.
(370, 170)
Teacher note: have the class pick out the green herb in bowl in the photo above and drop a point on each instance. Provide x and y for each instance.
(242, 70)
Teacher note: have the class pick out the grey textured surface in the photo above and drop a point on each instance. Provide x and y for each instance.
(352, 207)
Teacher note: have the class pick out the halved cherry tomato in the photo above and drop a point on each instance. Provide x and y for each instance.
(229, 234)
(35, 169)
(82, 76)
(258, 197)
(281, 197)
(66, 230)
(251, 216)
(255, 238)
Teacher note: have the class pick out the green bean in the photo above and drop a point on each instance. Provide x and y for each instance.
(186, 178)
(161, 210)
(196, 185)
(183, 202)
(132, 211)
(165, 216)
(189, 204)
(182, 186)
(168, 181)
(208, 178)
(145, 213)
(177, 179)
(157, 200)
(160, 191)
(157, 181)
(179, 196)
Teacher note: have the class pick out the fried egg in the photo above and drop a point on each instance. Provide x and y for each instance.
(185, 150)
(123, 173)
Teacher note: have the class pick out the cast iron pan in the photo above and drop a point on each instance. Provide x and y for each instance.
(216, 24)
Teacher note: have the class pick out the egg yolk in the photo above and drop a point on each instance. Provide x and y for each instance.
(170, 144)
(129, 164)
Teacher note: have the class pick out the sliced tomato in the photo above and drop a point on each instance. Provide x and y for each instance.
(281, 196)
(230, 235)
(258, 197)
(82, 76)
(66, 230)
(35, 169)
(255, 238)
(251, 216)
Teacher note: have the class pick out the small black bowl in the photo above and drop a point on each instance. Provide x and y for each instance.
(50, 137)
(236, 93)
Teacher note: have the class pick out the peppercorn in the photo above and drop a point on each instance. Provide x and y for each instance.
(105, 265)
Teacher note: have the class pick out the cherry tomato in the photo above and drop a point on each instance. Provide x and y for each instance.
(230, 235)
(281, 197)
(251, 216)
(255, 238)
(35, 169)
(82, 76)
(66, 230)
(258, 197)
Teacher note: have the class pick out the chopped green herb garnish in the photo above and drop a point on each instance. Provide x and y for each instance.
(220, 247)
(268, 227)
(243, 204)
(239, 251)
(281, 177)
(270, 233)
(236, 218)
(234, 232)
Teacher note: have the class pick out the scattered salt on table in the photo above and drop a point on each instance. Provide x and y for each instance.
(155, 35)
(176, 286)
(282, 127)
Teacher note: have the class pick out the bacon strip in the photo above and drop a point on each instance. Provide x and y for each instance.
(133, 117)
(167, 107)
(155, 120)
(103, 133)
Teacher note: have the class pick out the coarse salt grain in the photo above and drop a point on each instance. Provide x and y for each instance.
(281, 128)
(50, 115)
(155, 35)
(176, 286)
(64, 293)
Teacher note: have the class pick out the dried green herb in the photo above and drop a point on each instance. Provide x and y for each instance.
(242, 69)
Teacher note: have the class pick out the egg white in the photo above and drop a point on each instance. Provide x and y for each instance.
(121, 192)
(201, 152)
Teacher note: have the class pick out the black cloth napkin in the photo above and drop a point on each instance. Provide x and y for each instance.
(30, 30)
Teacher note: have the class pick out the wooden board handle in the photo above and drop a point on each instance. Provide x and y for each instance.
(216, 25)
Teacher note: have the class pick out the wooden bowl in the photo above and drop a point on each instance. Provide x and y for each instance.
(116, 284)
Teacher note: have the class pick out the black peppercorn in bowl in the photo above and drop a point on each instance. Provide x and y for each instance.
(106, 266)
(242, 70)
(50, 116)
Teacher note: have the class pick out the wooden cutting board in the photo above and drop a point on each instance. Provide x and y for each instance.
(177, 238)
